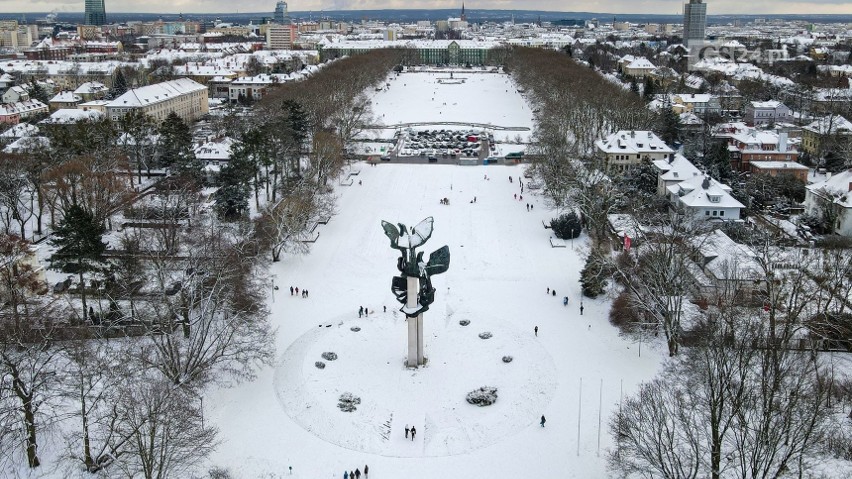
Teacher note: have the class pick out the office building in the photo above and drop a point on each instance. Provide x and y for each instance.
(95, 13)
(281, 14)
(694, 22)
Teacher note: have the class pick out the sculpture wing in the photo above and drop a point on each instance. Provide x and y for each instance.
(439, 261)
(392, 233)
(421, 233)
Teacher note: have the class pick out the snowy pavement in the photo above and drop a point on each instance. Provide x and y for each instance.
(501, 265)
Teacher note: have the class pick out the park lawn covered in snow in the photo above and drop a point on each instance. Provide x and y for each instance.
(502, 262)
(472, 97)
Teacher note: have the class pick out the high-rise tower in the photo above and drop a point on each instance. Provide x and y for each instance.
(281, 14)
(694, 22)
(95, 12)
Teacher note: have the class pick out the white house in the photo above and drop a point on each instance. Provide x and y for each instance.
(16, 94)
(624, 149)
(673, 171)
(706, 198)
(834, 192)
(760, 113)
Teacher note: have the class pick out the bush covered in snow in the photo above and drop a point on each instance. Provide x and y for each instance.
(507, 359)
(567, 226)
(347, 402)
(485, 335)
(484, 396)
(329, 356)
(464, 322)
(319, 365)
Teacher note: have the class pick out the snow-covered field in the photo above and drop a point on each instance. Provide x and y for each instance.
(501, 265)
(471, 97)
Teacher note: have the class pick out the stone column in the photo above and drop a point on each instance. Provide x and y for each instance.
(415, 325)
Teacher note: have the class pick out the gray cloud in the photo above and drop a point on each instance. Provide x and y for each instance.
(761, 7)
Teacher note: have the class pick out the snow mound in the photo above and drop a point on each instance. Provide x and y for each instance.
(464, 322)
(329, 356)
(507, 359)
(319, 365)
(485, 335)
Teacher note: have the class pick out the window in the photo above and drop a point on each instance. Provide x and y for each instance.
(721, 213)
(706, 213)
(715, 213)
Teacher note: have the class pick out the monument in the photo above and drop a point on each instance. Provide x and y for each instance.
(414, 288)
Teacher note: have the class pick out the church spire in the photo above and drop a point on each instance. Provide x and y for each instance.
(463, 16)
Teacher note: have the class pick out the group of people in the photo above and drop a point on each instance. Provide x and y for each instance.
(356, 474)
(364, 311)
(473, 200)
(295, 291)
(411, 431)
(445, 201)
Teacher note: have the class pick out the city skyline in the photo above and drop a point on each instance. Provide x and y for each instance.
(661, 7)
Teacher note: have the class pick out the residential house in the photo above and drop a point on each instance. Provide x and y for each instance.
(65, 99)
(13, 113)
(817, 135)
(639, 68)
(624, 149)
(697, 103)
(251, 88)
(15, 94)
(759, 113)
(92, 90)
(776, 168)
(746, 145)
(704, 197)
(673, 171)
(723, 266)
(833, 196)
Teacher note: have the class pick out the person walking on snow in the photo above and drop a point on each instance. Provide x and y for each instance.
(366, 470)
(413, 432)
(543, 420)
(357, 473)
(291, 291)
(406, 431)
(548, 290)
(360, 311)
(536, 330)
(345, 474)
(581, 309)
(565, 301)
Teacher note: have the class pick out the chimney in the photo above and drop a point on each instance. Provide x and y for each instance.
(706, 183)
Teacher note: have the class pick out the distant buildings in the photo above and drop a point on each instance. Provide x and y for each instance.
(95, 12)
(694, 22)
(760, 113)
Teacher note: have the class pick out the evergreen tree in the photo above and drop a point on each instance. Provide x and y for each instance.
(592, 277)
(668, 124)
(79, 245)
(119, 85)
(176, 150)
(567, 226)
(717, 162)
(37, 92)
(232, 197)
(650, 89)
(634, 85)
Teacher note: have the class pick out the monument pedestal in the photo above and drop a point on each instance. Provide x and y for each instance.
(415, 356)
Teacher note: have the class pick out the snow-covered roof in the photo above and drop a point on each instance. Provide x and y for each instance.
(633, 142)
(91, 87)
(830, 125)
(778, 165)
(641, 63)
(766, 105)
(676, 170)
(151, 94)
(690, 119)
(21, 130)
(701, 191)
(66, 116)
(66, 97)
(725, 259)
(27, 144)
(28, 106)
(216, 150)
(838, 186)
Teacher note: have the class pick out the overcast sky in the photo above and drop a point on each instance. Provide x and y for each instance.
(759, 7)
